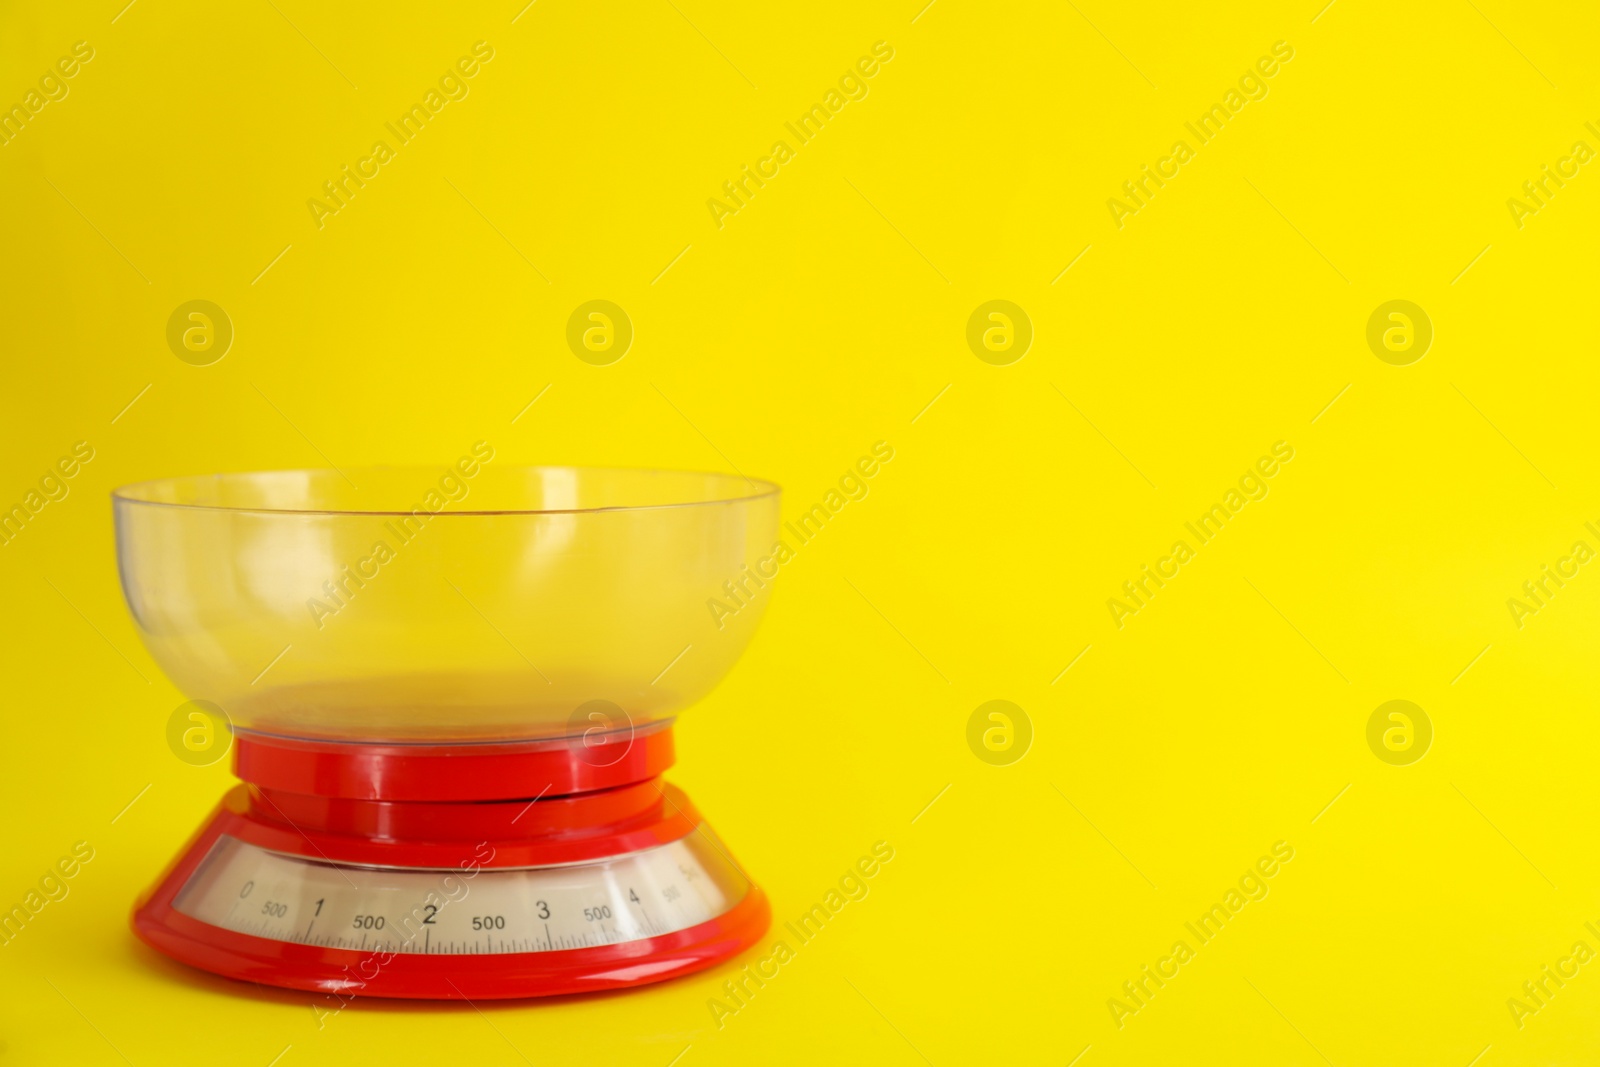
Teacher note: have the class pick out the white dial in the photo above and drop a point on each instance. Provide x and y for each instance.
(493, 910)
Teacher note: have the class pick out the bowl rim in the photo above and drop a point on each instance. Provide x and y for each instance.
(762, 489)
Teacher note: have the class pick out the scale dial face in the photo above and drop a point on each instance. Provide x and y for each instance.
(486, 911)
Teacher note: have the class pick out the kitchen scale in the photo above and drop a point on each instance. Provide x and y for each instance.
(452, 696)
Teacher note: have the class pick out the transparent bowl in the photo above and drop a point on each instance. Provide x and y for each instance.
(471, 603)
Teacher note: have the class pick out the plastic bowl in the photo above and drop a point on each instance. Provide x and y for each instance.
(468, 603)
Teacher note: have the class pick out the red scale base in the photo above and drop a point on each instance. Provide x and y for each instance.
(439, 809)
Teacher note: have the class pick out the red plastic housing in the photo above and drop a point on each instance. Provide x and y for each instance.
(429, 807)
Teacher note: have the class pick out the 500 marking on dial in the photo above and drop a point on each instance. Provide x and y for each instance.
(267, 894)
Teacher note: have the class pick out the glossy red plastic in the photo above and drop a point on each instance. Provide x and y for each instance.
(484, 771)
(319, 811)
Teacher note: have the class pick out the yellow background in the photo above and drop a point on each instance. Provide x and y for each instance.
(823, 317)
